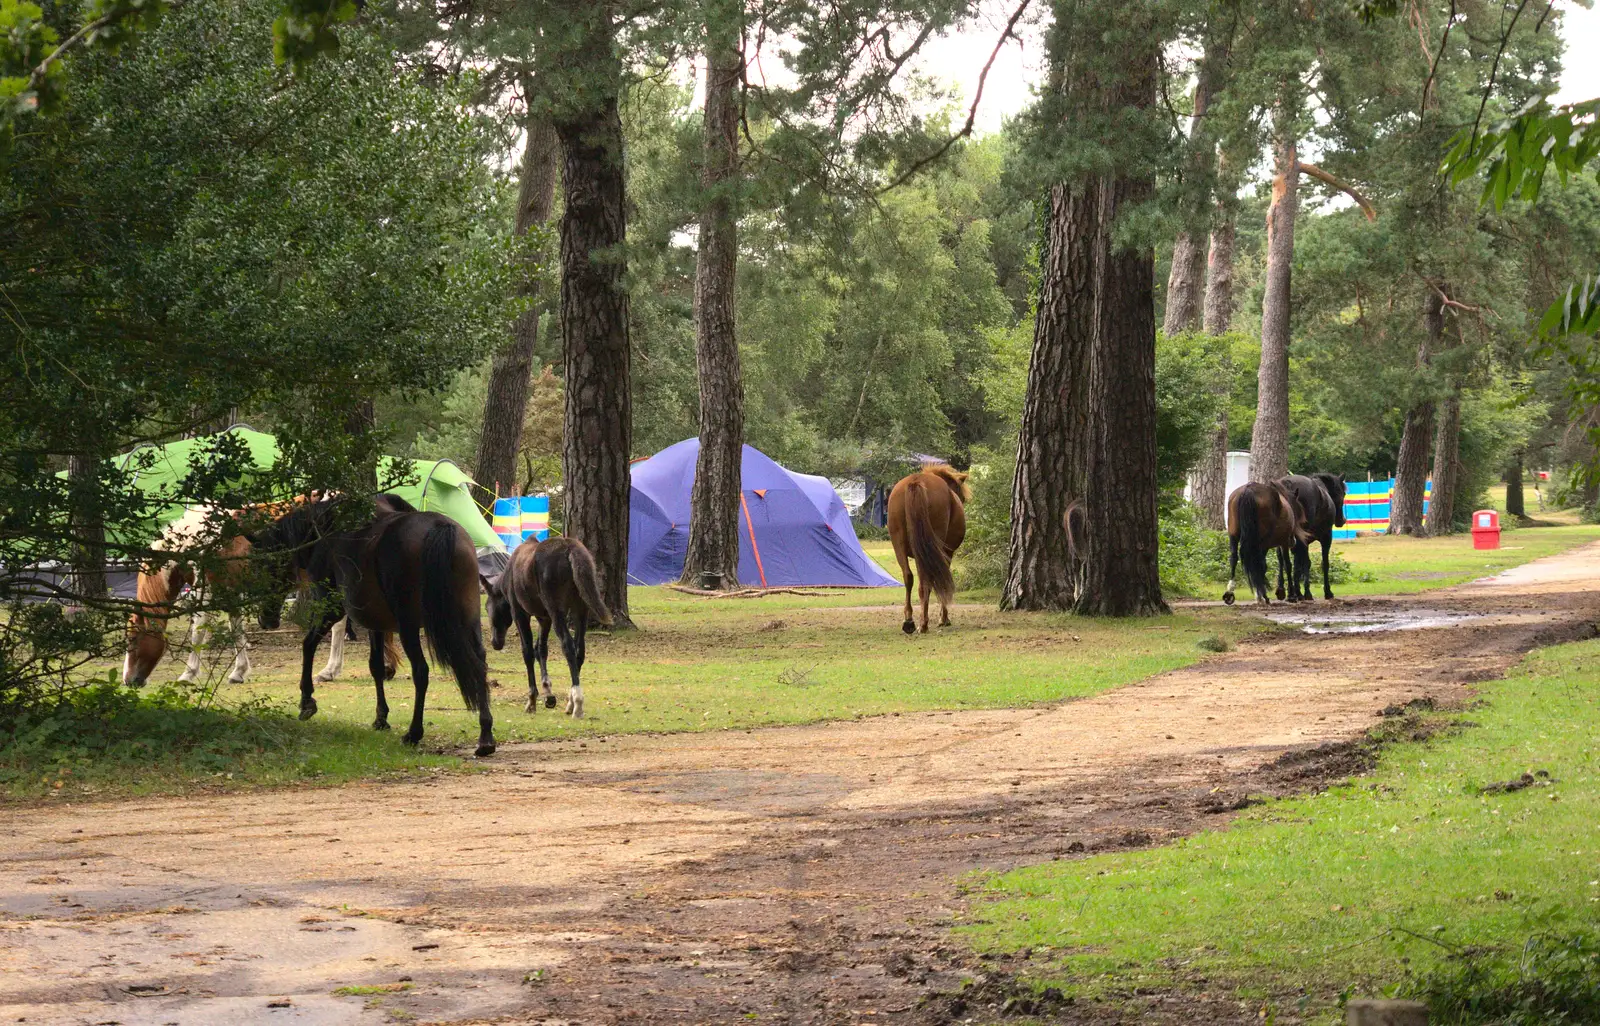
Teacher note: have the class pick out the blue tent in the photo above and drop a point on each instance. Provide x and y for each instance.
(793, 528)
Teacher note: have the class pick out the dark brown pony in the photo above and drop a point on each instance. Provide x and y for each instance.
(554, 582)
(392, 570)
(1321, 499)
(927, 521)
(1261, 517)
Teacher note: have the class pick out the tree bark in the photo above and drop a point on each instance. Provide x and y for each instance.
(1411, 466)
(88, 530)
(1269, 442)
(1186, 281)
(594, 304)
(506, 404)
(1120, 575)
(1515, 505)
(1446, 466)
(714, 502)
(1053, 439)
(1211, 477)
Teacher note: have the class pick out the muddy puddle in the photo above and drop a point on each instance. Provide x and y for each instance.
(1372, 622)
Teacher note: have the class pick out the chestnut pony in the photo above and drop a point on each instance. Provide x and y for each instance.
(927, 521)
(160, 587)
(392, 570)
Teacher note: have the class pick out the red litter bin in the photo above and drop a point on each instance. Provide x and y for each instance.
(1486, 529)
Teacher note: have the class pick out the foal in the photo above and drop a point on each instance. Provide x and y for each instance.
(553, 581)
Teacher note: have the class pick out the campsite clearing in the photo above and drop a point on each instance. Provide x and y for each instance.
(803, 873)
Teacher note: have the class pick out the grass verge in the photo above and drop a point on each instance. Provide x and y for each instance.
(1401, 565)
(1423, 878)
(112, 740)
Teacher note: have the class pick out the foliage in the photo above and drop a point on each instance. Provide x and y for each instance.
(986, 549)
(1299, 896)
(454, 435)
(192, 235)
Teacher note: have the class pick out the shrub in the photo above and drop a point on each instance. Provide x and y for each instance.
(1551, 979)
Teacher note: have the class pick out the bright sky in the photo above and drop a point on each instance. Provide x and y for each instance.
(959, 59)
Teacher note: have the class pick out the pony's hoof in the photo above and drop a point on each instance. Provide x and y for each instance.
(235, 680)
(1227, 598)
(308, 710)
(380, 724)
(1328, 595)
(484, 748)
(412, 737)
(389, 672)
(575, 708)
(322, 678)
(910, 627)
(549, 701)
(532, 706)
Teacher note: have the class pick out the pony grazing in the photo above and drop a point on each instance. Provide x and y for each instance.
(160, 587)
(1261, 517)
(1321, 499)
(927, 521)
(393, 571)
(554, 582)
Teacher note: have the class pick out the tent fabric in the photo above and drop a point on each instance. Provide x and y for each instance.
(800, 528)
(440, 485)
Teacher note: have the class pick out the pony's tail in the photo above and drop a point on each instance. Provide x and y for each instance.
(1076, 523)
(454, 639)
(927, 549)
(587, 580)
(1251, 552)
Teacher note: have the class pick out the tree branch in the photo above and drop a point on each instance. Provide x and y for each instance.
(37, 76)
(1009, 32)
(1343, 186)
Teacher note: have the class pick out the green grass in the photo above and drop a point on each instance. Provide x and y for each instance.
(1409, 877)
(111, 740)
(1401, 565)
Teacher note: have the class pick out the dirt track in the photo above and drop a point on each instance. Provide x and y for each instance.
(794, 874)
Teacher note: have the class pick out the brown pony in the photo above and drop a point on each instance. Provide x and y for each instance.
(927, 521)
(552, 581)
(159, 588)
(1261, 517)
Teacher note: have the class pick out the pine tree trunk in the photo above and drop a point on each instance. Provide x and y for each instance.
(1211, 477)
(88, 530)
(512, 369)
(1186, 282)
(714, 503)
(1120, 575)
(1269, 443)
(1446, 466)
(594, 309)
(1515, 505)
(1052, 442)
(1411, 466)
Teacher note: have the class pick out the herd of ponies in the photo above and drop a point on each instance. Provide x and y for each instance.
(402, 574)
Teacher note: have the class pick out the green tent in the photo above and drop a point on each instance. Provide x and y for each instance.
(441, 486)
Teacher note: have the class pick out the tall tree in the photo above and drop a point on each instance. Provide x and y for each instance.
(506, 402)
(1446, 446)
(1411, 466)
(1120, 576)
(1211, 476)
(1052, 445)
(714, 504)
(1269, 440)
(1186, 282)
(582, 75)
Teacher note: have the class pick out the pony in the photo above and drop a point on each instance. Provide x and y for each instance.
(554, 582)
(1261, 517)
(392, 570)
(927, 522)
(160, 586)
(1321, 499)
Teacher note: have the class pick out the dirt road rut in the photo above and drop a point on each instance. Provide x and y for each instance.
(801, 875)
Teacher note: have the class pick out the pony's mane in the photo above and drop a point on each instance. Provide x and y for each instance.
(1331, 482)
(956, 479)
(297, 528)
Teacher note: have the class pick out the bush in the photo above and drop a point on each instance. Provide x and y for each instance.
(1551, 979)
(981, 563)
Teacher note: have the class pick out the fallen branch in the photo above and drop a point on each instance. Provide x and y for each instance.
(1343, 186)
